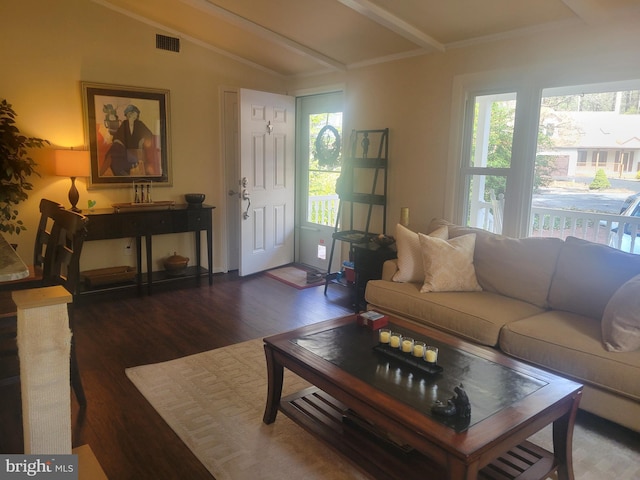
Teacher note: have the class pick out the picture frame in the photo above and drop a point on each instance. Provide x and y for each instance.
(128, 133)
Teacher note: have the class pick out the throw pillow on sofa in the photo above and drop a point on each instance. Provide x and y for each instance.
(448, 265)
(410, 254)
(621, 319)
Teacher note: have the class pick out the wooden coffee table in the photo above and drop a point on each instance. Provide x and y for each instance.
(377, 411)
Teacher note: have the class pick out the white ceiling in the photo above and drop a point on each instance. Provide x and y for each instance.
(306, 37)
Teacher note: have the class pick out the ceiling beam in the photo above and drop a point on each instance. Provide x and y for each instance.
(383, 17)
(246, 24)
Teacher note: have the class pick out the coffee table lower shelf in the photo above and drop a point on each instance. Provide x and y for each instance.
(381, 457)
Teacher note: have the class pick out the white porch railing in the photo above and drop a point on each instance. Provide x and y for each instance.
(323, 209)
(617, 231)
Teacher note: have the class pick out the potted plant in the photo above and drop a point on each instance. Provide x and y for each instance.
(16, 166)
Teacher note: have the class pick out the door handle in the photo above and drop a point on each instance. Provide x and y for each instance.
(245, 196)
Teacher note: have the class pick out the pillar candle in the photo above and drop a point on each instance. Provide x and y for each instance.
(404, 216)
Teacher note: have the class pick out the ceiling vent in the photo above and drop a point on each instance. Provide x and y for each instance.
(171, 44)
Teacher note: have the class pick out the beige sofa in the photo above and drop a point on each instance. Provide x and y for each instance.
(572, 307)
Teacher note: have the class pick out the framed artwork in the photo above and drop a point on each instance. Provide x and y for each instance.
(127, 129)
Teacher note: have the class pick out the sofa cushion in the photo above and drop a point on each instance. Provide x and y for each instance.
(571, 345)
(518, 268)
(448, 265)
(476, 316)
(587, 275)
(410, 253)
(621, 318)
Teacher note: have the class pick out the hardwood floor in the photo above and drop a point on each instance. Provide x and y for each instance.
(114, 332)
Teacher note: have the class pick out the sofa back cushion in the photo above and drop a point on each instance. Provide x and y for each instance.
(588, 274)
(517, 268)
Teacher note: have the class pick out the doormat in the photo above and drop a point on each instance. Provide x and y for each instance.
(297, 277)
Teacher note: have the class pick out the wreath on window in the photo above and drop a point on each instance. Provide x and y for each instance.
(328, 143)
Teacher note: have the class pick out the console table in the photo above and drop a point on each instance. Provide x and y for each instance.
(105, 224)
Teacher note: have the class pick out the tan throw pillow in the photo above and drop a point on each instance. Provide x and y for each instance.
(410, 254)
(448, 265)
(621, 319)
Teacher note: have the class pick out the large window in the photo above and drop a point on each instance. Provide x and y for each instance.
(488, 156)
(550, 162)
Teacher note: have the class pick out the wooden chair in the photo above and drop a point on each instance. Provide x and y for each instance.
(48, 209)
(60, 266)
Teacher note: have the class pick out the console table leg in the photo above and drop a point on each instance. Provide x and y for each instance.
(149, 264)
(563, 440)
(275, 373)
(210, 253)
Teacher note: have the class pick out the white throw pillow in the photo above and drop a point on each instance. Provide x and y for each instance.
(448, 265)
(621, 319)
(410, 253)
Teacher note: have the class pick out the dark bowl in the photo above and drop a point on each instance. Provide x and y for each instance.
(194, 198)
(383, 240)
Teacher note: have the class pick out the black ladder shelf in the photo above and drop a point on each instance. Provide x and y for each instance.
(362, 188)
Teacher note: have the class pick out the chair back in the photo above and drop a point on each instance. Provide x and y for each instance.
(62, 259)
(47, 209)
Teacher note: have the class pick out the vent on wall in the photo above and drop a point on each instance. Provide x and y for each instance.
(167, 43)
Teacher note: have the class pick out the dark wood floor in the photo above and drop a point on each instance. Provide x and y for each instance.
(114, 332)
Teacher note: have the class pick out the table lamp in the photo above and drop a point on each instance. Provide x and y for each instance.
(73, 163)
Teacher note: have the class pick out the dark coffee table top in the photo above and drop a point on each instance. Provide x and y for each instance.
(491, 386)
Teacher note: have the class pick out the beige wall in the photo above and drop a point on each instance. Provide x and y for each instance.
(48, 47)
(413, 97)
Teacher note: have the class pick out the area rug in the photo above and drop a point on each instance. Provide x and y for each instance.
(215, 400)
(296, 277)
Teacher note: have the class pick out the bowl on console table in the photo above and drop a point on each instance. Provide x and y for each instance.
(194, 199)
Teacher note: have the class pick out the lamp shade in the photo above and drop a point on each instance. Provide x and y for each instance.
(72, 163)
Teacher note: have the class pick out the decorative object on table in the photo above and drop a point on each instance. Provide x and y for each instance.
(393, 350)
(127, 129)
(175, 264)
(142, 192)
(15, 167)
(383, 240)
(194, 199)
(404, 216)
(372, 320)
(142, 207)
(72, 163)
(458, 405)
(91, 204)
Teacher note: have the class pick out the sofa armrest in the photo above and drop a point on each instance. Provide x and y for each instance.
(389, 268)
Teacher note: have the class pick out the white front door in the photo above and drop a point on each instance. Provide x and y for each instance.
(267, 130)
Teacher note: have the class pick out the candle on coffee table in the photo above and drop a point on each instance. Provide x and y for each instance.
(407, 344)
(431, 355)
(384, 336)
(418, 349)
(394, 340)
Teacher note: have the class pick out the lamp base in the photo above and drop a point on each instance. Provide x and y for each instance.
(74, 196)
